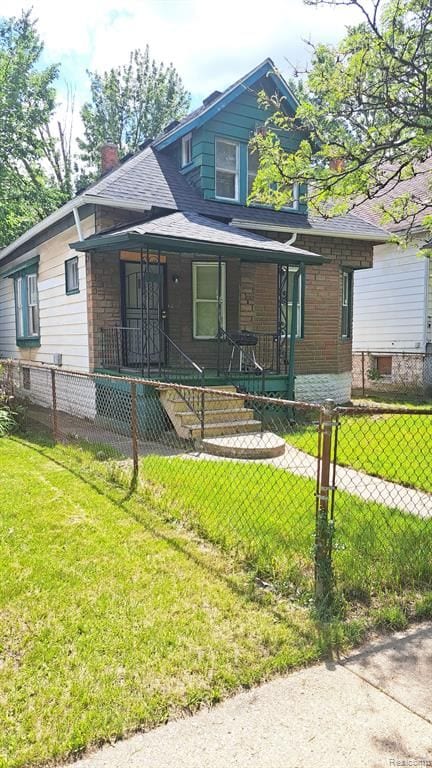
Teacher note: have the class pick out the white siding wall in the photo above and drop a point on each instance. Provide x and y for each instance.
(390, 301)
(63, 319)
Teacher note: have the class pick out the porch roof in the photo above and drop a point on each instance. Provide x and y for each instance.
(194, 233)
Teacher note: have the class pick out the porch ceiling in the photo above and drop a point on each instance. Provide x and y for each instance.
(193, 233)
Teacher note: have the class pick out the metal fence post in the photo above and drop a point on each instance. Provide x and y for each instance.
(134, 430)
(363, 374)
(323, 524)
(54, 405)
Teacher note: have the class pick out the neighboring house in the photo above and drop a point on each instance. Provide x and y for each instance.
(393, 302)
(168, 264)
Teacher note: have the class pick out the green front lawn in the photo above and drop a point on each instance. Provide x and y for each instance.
(397, 448)
(267, 515)
(115, 615)
(111, 618)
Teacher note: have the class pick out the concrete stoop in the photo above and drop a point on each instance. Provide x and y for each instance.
(264, 445)
(230, 428)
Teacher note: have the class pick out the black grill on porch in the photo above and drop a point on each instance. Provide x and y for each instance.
(150, 351)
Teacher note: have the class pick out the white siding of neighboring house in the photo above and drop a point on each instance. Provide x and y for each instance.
(390, 301)
(63, 319)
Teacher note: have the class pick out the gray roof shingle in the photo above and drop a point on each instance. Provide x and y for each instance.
(193, 226)
(152, 179)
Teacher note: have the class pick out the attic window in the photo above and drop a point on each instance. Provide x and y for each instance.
(227, 169)
(186, 150)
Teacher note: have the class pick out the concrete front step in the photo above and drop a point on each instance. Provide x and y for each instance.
(217, 416)
(265, 445)
(225, 428)
(210, 404)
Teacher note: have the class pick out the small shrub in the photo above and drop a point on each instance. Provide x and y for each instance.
(8, 417)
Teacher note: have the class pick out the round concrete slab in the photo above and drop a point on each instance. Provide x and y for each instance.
(251, 446)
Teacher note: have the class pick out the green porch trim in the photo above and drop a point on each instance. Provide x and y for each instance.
(130, 241)
(275, 383)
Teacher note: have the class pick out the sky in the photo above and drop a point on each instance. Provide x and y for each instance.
(210, 42)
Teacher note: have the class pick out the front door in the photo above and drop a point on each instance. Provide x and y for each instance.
(143, 312)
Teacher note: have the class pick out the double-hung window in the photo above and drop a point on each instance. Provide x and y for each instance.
(206, 294)
(227, 169)
(26, 307)
(72, 275)
(347, 300)
(287, 296)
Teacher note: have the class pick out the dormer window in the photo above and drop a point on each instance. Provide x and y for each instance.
(227, 155)
(186, 150)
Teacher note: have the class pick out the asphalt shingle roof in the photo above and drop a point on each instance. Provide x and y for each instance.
(152, 179)
(418, 189)
(193, 226)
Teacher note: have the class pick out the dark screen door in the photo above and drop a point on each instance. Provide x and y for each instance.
(143, 307)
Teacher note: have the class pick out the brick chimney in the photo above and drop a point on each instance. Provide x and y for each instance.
(109, 157)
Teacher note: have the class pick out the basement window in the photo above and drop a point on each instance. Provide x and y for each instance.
(383, 365)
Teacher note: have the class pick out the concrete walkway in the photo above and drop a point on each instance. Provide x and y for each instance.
(366, 487)
(358, 483)
(372, 709)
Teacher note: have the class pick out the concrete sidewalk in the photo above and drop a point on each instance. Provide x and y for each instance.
(372, 709)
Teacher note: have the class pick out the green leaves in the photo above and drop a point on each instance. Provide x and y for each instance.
(27, 102)
(129, 104)
(366, 107)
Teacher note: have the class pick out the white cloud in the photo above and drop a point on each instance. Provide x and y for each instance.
(210, 43)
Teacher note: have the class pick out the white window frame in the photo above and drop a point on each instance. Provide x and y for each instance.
(186, 150)
(73, 261)
(287, 334)
(196, 266)
(248, 174)
(32, 303)
(296, 199)
(347, 291)
(19, 307)
(236, 173)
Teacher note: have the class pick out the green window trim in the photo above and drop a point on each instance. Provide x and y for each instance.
(287, 305)
(72, 275)
(27, 326)
(200, 302)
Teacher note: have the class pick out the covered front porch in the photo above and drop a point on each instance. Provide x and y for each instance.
(195, 301)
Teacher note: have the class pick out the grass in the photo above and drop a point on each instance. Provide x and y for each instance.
(268, 516)
(112, 619)
(116, 615)
(396, 447)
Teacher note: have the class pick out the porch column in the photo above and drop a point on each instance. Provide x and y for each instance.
(293, 329)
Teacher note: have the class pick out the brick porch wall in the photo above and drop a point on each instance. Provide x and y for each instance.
(103, 299)
(322, 350)
(251, 299)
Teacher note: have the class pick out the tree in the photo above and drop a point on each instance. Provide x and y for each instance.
(27, 102)
(365, 113)
(129, 104)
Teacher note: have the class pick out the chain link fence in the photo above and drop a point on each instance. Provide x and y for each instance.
(392, 374)
(319, 502)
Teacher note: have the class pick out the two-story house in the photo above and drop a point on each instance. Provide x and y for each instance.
(161, 269)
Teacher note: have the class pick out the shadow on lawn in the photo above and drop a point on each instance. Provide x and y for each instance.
(249, 592)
